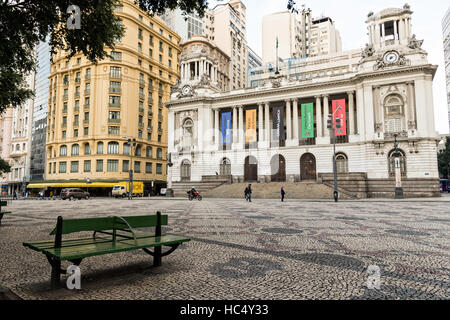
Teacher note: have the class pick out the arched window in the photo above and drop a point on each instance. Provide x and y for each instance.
(138, 150)
(87, 149)
(188, 128)
(126, 148)
(391, 162)
(17, 147)
(63, 151)
(149, 152)
(225, 167)
(185, 170)
(341, 163)
(113, 147)
(100, 148)
(75, 150)
(159, 153)
(394, 114)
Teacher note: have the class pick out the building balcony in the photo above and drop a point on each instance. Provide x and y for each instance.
(86, 121)
(86, 107)
(150, 113)
(66, 83)
(113, 120)
(76, 109)
(150, 128)
(160, 117)
(64, 110)
(141, 82)
(76, 123)
(141, 110)
(141, 96)
(114, 105)
(77, 80)
(160, 90)
(114, 90)
(77, 94)
(64, 125)
(161, 104)
(87, 77)
(150, 99)
(65, 97)
(87, 92)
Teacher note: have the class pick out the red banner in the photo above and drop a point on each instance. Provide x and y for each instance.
(339, 112)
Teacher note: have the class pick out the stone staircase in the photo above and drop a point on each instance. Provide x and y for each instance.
(294, 190)
(207, 183)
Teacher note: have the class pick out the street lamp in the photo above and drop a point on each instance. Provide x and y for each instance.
(131, 143)
(330, 125)
(398, 172)
(169, 190)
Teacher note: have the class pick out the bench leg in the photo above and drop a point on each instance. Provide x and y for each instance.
(157, 256)
(56, 273)
(1, 216)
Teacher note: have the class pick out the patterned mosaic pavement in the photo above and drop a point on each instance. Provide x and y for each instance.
(260, 250)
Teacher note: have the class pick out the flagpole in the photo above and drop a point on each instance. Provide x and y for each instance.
(276, 72)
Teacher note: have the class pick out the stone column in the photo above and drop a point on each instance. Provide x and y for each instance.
(326, 131)
(235, 128)
(260, 123)
(295, 121)
(395, 32)
(267, 122)
(351, 114)
(288, 120)
(411, 105)
(318, 117)
(383, 35)
(216, 129)
(241, 125)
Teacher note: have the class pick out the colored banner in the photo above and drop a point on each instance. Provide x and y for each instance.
(250, 126)
(339, 112)
(278, 133)
(226, 127)
(307, 120)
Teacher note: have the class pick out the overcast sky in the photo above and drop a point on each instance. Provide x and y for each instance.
(350, 16)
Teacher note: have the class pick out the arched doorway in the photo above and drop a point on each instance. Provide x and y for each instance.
(225, 167)
(185, 171)
(278, 168)
(250, 169)
(391, 162)
(307, 167)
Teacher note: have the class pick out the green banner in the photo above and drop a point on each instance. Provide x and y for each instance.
(307, 120)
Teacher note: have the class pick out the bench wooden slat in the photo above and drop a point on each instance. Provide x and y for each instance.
(108, 223)
(100, 248)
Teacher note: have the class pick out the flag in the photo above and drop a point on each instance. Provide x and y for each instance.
(307, 120)
(339, 113)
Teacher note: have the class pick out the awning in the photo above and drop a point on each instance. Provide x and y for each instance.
(72, 185)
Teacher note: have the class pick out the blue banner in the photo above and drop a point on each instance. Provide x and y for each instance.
(226, 127)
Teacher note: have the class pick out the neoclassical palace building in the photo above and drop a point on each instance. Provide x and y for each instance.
(278, 131)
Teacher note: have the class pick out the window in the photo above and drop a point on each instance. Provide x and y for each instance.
(341, 163)
(150, 52)
(402, 162)
(113, 147)
(87, 149)
(99, 166)
(137, 166)
(114, 101)
(100, 148)
(159, 138)
(149, 152)
(115, 72)
(126, 148)
(139, 46)
(75, 150)
(116, 55)
(150, 41)
(75, 132)
(159, 153)
(86, 131)
(74, 166)
(158, 168)
(114, 115)
(394, 114)
(63, 134)
(63, 151)
(138, 150)
(114, 86)
(140, 134)
(113, 165)
(225, 167)
(125, 165)
(87, 165)
(114, 130)
(148, 167)
(62, 167)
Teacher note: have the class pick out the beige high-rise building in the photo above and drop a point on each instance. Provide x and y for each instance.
(95, 109)
(299, 35)
(226, 26)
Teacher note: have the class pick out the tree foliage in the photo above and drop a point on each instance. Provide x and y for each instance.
(23, 23)
(444, 160)
(4, 166)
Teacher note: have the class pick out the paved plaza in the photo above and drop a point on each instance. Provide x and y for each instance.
(260, 250)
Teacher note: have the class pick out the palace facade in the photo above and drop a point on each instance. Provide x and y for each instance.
(277, 131)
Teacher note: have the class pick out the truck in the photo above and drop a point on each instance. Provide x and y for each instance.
(122, 189)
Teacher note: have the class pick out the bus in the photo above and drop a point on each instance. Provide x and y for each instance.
(445, 185)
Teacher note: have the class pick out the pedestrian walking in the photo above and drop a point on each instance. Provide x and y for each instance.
(249, 193)
(246, 193)
(15, 195)
(282, 194)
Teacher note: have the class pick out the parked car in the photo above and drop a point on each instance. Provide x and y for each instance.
(72, 193)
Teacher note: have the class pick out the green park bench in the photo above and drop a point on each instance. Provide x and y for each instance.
(3, 203)
(111, 235)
